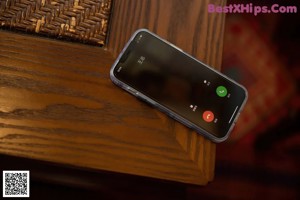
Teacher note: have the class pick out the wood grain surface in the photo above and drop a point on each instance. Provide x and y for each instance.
(58, 104)
(188, 25)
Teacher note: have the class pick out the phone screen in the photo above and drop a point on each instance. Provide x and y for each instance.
(207, 100)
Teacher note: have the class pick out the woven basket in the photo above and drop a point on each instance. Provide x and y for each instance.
(80, 20)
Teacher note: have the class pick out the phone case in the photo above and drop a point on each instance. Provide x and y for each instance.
(163, 108)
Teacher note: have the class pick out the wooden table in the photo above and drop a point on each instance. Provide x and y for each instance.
(57, 103)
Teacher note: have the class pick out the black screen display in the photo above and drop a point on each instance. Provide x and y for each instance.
(183, 85)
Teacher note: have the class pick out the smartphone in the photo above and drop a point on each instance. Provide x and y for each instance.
(179, 85)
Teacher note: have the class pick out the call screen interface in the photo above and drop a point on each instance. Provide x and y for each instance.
(180, 83)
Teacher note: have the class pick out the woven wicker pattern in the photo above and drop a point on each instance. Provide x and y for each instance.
(80, 20)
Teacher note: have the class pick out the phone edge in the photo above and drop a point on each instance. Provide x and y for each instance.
(167, 111)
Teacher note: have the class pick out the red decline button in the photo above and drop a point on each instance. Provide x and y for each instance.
(208, 116)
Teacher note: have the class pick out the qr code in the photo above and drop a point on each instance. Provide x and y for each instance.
(16, 183)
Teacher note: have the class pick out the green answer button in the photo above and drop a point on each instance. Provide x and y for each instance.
(221, 91)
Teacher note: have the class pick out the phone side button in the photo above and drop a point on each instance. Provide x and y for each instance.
(150, 101)
(131, 91)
